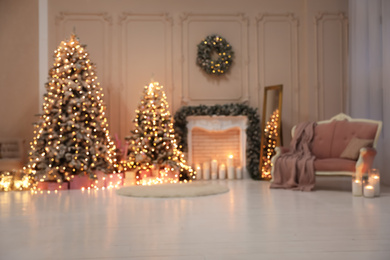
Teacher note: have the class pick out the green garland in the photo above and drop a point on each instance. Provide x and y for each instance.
(222, 48)
(252, 131)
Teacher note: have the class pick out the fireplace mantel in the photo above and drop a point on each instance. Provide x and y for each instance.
(217, 123)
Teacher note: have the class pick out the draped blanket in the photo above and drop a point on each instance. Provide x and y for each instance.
(295, 169)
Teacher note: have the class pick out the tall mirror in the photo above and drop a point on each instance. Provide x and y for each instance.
(271, 128)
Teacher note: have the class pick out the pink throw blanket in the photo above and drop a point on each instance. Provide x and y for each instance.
(295, 169)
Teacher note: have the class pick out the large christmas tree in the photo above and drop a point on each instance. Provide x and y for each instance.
(71, 136)
(152, 145)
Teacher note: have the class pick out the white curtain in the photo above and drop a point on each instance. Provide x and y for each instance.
(369, 88)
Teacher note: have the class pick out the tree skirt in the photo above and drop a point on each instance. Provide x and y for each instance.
(179, 190)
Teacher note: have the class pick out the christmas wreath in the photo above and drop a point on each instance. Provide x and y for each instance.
(214, 44)
(252, 131)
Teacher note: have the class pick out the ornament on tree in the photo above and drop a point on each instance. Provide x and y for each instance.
(152, 146)
(71, 136)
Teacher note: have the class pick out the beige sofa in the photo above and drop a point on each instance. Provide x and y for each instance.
(342, 145)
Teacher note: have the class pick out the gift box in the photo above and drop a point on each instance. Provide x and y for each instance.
(52, 186)
(169, 176)
(100, 181)
(78, 182)
(114, 180)
(129, 178)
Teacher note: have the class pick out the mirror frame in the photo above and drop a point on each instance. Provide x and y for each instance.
(279, 142)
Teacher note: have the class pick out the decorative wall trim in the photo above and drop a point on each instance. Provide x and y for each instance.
(292, 21)
(320, 21)
(185, 20)
(124, 20)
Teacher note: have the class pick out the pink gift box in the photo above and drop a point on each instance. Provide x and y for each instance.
(145, 173)
(78, 182)
(100, 181)
(114, 180)
(50, 185)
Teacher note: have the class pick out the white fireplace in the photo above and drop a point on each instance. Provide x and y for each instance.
(215, 138)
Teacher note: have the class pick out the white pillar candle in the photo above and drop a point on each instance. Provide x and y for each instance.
(214, 175)
(230, 167)
(239, 172)
(214, 166)
(222, 172)
(357, 187)
(369, 191)
(206, 171)
(230, 161)
(198, 172)
(374, 180)
(230, 173)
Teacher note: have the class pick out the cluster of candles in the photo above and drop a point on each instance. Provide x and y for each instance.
(220, 171)
(368, 188)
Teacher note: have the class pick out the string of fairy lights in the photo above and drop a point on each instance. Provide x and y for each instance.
(270, 143)
(71, 136)
(153, 149)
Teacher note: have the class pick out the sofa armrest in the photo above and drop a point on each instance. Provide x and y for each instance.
(365, 160)
(278, 151)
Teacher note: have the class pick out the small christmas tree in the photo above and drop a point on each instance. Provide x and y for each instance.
(152, 145)
(270, 143)
(71, 136)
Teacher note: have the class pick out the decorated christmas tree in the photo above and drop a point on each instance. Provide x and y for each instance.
(270, 143)
(152, 146)
(71, 136)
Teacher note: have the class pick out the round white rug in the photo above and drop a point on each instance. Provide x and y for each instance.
(175, 190)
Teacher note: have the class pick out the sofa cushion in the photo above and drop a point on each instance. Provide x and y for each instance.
(322, 141)
(344, 131)
(334, 164)
(353, 148)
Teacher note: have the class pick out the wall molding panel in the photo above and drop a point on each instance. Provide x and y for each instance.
(277, 41)
(331, 63)
(152, 34)
(197, 86)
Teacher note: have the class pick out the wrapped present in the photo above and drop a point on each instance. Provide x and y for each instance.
(169, 175)
(78, 182)
(100, 181)
(52, 186)
(129, 178)
(114, 180)
(145, 173)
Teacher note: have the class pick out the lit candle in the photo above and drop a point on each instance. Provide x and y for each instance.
(357, 188)
(369, 191)
(230, 161)
(206, 171)
(214, 166)
(198, 172)
(374, 180)
(230, 167)
(222, 171)
(239, 172)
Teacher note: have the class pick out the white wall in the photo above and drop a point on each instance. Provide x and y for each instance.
(298, 43)
(18, 69)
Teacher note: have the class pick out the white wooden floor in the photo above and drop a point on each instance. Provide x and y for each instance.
(251, 221)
